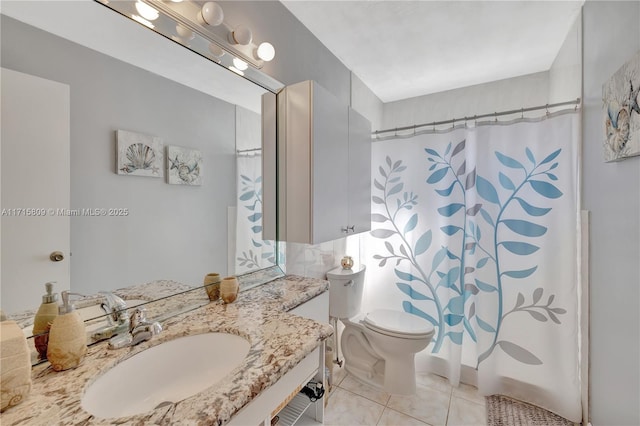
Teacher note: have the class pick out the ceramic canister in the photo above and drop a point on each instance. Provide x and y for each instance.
(229, 289)
(212, 285)
(346, 262)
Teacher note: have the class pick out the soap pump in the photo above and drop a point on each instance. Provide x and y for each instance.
(47, 312)
(67, 338)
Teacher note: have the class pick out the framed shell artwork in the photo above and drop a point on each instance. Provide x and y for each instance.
(184, 166)
(138, 154)
(622, 112)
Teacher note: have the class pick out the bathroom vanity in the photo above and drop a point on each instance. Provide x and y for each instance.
(286, 351)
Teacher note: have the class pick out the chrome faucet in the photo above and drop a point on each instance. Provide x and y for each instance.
(140, 330)
(114, 307)
(117, 317)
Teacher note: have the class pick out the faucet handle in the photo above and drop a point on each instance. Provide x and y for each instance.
(137, 317)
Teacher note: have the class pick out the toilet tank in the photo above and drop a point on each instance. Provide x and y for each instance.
(345, 291)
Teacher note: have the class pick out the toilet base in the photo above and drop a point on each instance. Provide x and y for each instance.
(397, 377)
(373, 377)
(383, 361)
(400, 375)
(395, 374)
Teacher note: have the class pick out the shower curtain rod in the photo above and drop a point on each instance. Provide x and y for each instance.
(575, 102)
(240, 151)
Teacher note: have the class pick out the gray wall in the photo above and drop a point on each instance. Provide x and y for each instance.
(611, 192)
(172, 231)
(565, 74)
(501, 95)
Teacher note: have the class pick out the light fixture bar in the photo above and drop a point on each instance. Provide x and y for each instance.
(168, 10)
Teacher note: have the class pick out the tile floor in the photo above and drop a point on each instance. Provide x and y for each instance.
(436, 403)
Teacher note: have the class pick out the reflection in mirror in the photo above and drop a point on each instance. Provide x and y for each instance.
(119, 75)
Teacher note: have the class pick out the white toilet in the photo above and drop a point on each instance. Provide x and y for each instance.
(379, 347)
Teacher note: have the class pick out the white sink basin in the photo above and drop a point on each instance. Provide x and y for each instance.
(166, 373)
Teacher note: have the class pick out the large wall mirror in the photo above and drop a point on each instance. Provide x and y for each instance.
(116, 75)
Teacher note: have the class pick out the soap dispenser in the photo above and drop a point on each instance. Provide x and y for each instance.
(47, 312)
(67, 338)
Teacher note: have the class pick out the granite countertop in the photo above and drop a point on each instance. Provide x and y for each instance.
(279, 340)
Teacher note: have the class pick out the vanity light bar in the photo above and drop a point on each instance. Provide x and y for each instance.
(179, 12)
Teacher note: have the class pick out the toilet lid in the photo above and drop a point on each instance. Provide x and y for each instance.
(398, 323)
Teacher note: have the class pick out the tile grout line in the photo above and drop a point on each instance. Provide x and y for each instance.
(446, 421)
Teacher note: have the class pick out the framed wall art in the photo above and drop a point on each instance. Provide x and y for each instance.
(138, 154)
(184, 166)
(622, 112)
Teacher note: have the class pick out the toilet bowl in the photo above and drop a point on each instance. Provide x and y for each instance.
(379, 346)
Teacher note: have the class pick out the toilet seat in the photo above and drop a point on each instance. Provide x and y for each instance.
(398, 324)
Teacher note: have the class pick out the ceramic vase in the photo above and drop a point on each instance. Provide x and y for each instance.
(15, 365)
(212, 285)
(346, 262)
(229, 289)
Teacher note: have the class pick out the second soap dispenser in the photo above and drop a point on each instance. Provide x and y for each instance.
(47, 312)
(67, 338)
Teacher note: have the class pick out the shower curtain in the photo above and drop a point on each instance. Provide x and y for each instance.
(252, 252)
(476, 231)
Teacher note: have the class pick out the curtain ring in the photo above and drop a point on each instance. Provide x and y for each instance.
(547, 107)
(475, 121)
(434, 127)
(495, 115)
(522, 113)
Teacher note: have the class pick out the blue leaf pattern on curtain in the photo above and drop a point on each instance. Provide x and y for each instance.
(484, 220)
(255, 253)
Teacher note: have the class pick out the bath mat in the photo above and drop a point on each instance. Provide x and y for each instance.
(503, 411)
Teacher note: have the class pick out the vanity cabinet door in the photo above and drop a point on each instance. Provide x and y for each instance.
(324, 166)
(312, 164)
(359, 174)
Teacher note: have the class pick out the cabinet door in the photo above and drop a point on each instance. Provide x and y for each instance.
(359, 173)
(330, 163)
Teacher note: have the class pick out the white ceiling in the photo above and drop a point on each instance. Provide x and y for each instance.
(403, 49)
(399, 49)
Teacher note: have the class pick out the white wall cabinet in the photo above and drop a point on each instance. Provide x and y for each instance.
(323, 168)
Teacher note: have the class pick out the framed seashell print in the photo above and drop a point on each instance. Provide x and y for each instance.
(138, 154)
(184, 166)
(622, 112)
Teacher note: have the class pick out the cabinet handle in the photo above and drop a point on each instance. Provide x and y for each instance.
(349, 283)
(346, 230)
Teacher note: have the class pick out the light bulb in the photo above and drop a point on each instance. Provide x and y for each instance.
(241, 35)
(211, 14)
(236, 70)
(184, 32)
(266, 51)
(146, 11)
(240, 64)
(215, 50)
(142, 21)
